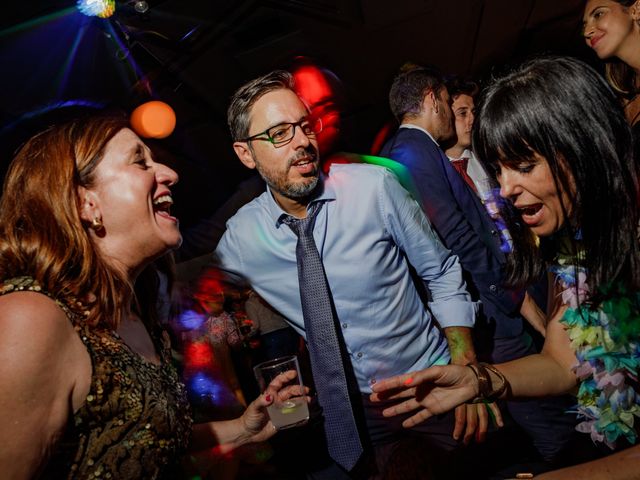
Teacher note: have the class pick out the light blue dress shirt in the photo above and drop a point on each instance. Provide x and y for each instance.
(368, 231)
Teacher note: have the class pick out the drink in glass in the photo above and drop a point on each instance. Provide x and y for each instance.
(289, 407)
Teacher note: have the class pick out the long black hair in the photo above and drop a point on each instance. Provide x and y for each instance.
(564, 111)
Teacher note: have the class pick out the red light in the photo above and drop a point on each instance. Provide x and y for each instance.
(198, 355)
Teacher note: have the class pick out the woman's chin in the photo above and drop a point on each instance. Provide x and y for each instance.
(170, 244)
(177, 243)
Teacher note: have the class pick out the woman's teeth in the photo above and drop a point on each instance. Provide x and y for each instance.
(163, 202)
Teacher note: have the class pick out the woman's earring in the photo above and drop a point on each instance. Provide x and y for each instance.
(96, 224)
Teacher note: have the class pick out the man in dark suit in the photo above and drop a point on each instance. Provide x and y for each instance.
(421, 103)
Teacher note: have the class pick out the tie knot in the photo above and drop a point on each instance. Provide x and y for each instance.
(303, 226)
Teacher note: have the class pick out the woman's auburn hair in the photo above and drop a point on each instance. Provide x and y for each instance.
(41, 232)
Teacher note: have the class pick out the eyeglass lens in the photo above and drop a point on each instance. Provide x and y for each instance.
(286, 131)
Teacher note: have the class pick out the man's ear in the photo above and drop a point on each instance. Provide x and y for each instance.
(430, 102)
(635, 11)
(244, 154)
(88, 206)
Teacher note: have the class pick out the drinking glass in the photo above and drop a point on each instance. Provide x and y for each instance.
(289, 407)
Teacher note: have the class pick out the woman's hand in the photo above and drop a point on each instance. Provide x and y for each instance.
(433, 390)
(255, 419)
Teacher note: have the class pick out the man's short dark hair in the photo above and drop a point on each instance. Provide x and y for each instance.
(462, 86)
(245, 97)
(410, 87)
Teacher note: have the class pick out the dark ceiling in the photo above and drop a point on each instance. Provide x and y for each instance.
(194, 53)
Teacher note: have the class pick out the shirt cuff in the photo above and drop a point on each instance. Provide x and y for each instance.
(454, 313)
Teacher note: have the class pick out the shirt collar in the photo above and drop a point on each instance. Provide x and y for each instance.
(416, 127)
(465, 154)
(324, 192)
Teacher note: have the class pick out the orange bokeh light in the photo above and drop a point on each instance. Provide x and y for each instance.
(154, 119)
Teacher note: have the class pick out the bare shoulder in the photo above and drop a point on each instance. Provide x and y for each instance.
(43, 364)
(25, 303)
(36, 337)
(32, 317)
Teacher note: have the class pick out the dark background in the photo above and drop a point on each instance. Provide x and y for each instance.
(194, 53)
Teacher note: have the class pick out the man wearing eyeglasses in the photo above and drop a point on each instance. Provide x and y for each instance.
(368, 232)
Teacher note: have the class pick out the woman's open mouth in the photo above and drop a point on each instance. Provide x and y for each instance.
(162, 206)
(531, 214)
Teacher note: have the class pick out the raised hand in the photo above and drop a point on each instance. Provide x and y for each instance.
(431, 391)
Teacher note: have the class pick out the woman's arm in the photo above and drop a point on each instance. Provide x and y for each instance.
(550, 372)
(619, 466)
(45, 371)
(533, 314)
(254, 424)
(547, 373)
(437, 390)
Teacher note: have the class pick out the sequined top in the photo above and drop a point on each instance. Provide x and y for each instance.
(136, 418)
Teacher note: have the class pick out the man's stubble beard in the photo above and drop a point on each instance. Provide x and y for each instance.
(294, 191)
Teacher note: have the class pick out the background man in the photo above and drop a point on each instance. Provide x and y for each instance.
(462, 93)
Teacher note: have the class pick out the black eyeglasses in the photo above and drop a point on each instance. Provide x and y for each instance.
(283, 133)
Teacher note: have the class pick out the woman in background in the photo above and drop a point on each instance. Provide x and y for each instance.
(556, 137)
(88, 388)
(612, 30)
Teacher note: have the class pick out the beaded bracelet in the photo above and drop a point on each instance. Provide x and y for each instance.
(486, 391)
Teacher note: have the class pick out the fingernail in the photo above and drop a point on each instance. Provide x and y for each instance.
(267, 398)
(408, 381)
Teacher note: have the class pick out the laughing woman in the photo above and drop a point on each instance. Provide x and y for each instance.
(556, 137)
(88, 389)
(612, 30)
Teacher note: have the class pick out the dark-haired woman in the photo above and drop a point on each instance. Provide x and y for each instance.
(556, 137)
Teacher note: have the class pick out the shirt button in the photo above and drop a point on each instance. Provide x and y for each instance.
(359, 355)
(494, 233)
(373, 380)
(344, 325)
(493, 288)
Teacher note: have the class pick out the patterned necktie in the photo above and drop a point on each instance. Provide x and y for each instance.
(461, 166)
(323, 342)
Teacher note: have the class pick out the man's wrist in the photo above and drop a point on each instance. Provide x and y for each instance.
(460, 344)
(464, 359)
